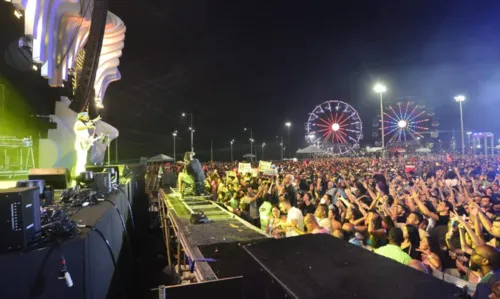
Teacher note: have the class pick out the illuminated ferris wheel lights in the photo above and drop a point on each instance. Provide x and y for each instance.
(336, 125)
(404, 122)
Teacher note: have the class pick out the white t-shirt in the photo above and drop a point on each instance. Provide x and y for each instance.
(294, 214)
(80, 134)
(326, 223)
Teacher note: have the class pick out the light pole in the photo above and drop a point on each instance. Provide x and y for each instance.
(174, 134)
(263, 146)
(251, 147)
(288, 126)
(191, 128)
(232, 141)
(380, 89)
(469, 142)
(281, 146)
(251, 140)
(460, 99)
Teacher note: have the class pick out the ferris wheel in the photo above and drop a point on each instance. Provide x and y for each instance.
(405, 122)
(335, 127)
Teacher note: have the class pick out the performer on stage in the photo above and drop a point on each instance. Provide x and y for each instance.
(192, 175)
(84, 129)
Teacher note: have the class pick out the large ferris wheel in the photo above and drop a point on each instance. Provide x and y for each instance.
(335, 127)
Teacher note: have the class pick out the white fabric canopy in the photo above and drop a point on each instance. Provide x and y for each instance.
(311, 149)
(423, 150)
(160, 158)
(374, 149)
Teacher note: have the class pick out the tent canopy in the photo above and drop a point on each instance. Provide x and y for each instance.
(374, 149)
(311, 149)
(249, 156)
(423, 150)
(160, 158)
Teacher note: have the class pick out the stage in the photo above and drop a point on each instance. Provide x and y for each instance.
(200, 242)
(34, 273)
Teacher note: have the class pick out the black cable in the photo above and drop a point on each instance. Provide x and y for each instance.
(110, 250)
(123, 225)
(129, 207)
(111, 254)
(84, 268)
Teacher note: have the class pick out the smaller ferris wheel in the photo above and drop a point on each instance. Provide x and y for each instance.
(335, 127)
(405, 122)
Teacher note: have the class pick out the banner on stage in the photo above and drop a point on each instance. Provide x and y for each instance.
(244, 168)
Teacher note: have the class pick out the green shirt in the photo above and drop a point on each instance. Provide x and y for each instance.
(394, 253)
(264, 212)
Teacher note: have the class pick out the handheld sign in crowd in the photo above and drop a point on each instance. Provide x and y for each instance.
(264, 165)
(244, 168)
(267, 168)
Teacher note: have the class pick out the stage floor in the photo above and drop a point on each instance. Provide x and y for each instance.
(224, 227)
(8, 184)
(5, 184)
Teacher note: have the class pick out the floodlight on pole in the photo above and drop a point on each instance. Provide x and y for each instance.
(380, 89)
(460, 99)
(231, 143)
(191, 128)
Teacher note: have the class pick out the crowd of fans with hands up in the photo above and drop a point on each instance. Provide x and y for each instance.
(431, 213)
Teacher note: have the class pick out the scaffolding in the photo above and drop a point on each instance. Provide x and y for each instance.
(16, 156)
(483, 138)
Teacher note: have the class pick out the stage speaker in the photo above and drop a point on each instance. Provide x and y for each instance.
(102, 182)
(58, 178)
(169, 179)
(322, 266)
(19, 217)
(118, 170)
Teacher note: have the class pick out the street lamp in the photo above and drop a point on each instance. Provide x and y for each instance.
(281, 145)
(251, 146)
(380, 89)
(232, 141)
(191, 128)
(174, 134)
(460, 99)
(288, 126)
(251, 140)
(263, 146)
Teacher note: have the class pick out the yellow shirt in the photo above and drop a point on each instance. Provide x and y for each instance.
(394, 253)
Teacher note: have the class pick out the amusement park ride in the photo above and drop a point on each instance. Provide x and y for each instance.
(335, 127)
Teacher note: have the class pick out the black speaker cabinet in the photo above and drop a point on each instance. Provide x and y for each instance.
(58, 178)
(102, 182)
(322, 266)
(100, 168)
(19, 217)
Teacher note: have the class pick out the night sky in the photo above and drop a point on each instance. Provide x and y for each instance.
(257, 64)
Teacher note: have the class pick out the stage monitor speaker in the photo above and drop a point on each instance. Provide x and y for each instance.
(102, 182)
(169, 180)
(19, 217)
(58, 178)
(322, 266)
(118, 168)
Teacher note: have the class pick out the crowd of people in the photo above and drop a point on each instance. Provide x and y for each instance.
(429, 213)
